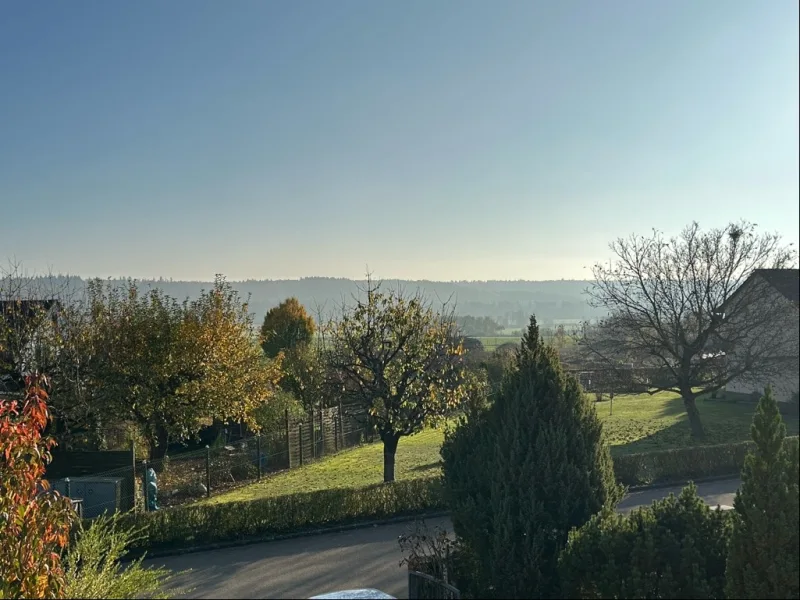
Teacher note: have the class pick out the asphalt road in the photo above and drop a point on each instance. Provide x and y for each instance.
(360, 558)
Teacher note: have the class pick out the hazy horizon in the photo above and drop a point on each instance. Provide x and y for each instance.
(430, 141)
(30, 274)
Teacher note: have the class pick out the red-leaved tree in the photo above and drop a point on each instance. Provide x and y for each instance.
(34, 521)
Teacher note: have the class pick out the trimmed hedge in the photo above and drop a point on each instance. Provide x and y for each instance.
(683, 463)
(199, 524)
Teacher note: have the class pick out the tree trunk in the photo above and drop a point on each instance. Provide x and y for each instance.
(389, 449)
(694, 415)
(158, 444)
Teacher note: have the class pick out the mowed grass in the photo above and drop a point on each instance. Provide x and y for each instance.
(645, 423)
(490, 343)
(417, 456)
(641, 423)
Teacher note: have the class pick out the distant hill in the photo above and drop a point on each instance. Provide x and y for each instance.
(510, 303)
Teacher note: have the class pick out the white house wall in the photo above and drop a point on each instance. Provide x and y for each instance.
(786, 384)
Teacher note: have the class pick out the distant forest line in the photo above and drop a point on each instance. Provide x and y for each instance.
(510, 303)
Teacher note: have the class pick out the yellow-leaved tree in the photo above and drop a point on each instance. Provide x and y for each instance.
(286, 327)
(398, 362)
(170, 367)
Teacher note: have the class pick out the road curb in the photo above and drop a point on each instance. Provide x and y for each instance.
(288, 536)
(677, 482)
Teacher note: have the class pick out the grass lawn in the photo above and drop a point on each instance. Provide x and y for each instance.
(638, 424)
(490, 343)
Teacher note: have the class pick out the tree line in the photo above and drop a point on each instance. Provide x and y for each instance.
(160, 370)
(124, 361)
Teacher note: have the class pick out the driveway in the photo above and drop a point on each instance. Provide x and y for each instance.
(367, 557)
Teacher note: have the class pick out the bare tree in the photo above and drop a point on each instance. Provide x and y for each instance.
(680, 312)
(397, 361)
(43, 329)
(31, 322)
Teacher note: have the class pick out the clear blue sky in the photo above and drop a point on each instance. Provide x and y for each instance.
(438, 139)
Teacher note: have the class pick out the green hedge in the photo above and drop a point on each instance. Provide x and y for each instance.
(683, 463)
(201, 524)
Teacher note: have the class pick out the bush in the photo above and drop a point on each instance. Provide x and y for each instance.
(764, 559)
(271, 415)
(93, 568)
(675, 548)
(34, 521)
(199, 524)
(682, 464)
(440, 555)
(520, 475)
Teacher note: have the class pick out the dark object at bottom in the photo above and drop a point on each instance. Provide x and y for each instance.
(425, 587)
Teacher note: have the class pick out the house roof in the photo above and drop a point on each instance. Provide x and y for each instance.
(785, 281)
(27, 308)
(20, 311)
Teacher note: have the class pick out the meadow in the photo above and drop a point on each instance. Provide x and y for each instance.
(633, 424)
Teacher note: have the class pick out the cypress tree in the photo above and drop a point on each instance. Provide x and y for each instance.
(764, 556)
(525, 472)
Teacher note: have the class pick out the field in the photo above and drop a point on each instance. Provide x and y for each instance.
(490, 343)
(636, 424)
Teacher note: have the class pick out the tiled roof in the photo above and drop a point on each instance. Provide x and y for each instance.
(785, 281)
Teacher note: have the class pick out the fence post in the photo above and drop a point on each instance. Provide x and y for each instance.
(67, 487)
(321, 432)
(341, 424)
(288, 444)
(258, 454)
(133, 474)
(335, 434)
(144, 483)
(208, 472)
(313, 434)
(300, 435)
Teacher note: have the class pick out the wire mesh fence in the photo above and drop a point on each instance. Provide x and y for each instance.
(190, 476)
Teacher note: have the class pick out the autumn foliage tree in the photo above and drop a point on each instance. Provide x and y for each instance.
(398, 361)
(34, 522)
(173, 367)
(286, 327)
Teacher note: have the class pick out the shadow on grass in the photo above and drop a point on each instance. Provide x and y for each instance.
(673, 407)
(724, 421)
(675, 436)
(428, 467)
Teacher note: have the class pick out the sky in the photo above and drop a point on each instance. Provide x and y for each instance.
(422, 139)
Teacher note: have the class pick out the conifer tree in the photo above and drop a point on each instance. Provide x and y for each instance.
(764, 556)
(539, 467)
